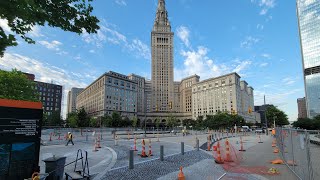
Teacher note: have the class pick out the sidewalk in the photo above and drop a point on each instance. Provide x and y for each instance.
(256, 159)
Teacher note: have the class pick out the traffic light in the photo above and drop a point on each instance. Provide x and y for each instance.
(170, 104)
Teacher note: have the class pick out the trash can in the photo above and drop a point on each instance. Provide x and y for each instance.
(55, 164)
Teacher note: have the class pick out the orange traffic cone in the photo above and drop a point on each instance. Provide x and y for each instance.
(59, 138)
(143, 153)
(208, 145)
(135, 144)
(95, 146)
(181, 175)
(98, 143)
(219, 159)
(228, 156)
(241, 145)
(150, 151)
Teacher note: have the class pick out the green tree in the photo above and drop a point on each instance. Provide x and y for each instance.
(273, 113)
(116, 119)
(107, 121)
(94, 122)
(22, 16)
(125, 122)
(55, 119)
(189, 122)
(15, 85)
(134, 122)
(316, 122)
(158, 122)
(238, 120)
(200, 123)
(171, 121)
(83, 119)
(72, 119)
(303, 123)
(44, 119)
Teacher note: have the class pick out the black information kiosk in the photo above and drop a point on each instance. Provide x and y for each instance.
(20, 134)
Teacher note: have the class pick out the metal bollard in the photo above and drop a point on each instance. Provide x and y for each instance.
(197, 145)
(161, 153)
(130, 159)
(182, 148)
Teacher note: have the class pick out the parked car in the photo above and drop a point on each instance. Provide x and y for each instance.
(259, 130)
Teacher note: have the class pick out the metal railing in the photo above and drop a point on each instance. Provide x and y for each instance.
(300, 151)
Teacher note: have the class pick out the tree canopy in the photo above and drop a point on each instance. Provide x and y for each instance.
(15, 85)
(223, 120)
(171, 121)
(273, 113)
(22, 16)
(309, 124)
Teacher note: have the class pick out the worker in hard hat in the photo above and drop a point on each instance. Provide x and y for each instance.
(70, 137)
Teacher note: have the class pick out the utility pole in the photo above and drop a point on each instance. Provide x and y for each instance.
(265, 113)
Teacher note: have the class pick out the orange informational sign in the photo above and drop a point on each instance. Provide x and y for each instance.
(273, 132)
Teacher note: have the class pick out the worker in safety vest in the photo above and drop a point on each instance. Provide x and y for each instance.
(70, 137)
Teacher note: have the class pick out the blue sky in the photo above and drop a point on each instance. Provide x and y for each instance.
(257, 38)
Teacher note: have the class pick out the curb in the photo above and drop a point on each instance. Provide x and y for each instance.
(113, 162)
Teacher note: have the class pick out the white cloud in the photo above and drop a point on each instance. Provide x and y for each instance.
(263, 64)
(139, 48)
(265, 55)
(46, 73)
(54, 45)
(108, 33)
(92, 51)
(260, 26)
(198, 62)
(288, 81)
(35, 32)
(265, 5)
(183, 34)
(4, 25)
(249, 42)
(121, 2)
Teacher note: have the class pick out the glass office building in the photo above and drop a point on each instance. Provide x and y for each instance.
(308, 12)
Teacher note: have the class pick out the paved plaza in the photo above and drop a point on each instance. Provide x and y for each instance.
(111, 160)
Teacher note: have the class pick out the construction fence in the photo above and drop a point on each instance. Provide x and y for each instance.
(300, 150)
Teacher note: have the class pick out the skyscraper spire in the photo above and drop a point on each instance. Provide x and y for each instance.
(162, 14)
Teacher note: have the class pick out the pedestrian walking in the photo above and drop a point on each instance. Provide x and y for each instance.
(70, 137)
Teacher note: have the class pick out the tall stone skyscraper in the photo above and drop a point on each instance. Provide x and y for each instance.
(162, 62)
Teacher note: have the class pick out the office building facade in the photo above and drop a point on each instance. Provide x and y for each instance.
(51, 97)
(72, 95)
(302, 108)
(308, 12)
(223, 94)
(110, 92)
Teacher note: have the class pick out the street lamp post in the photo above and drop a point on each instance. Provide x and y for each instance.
(265, 114)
